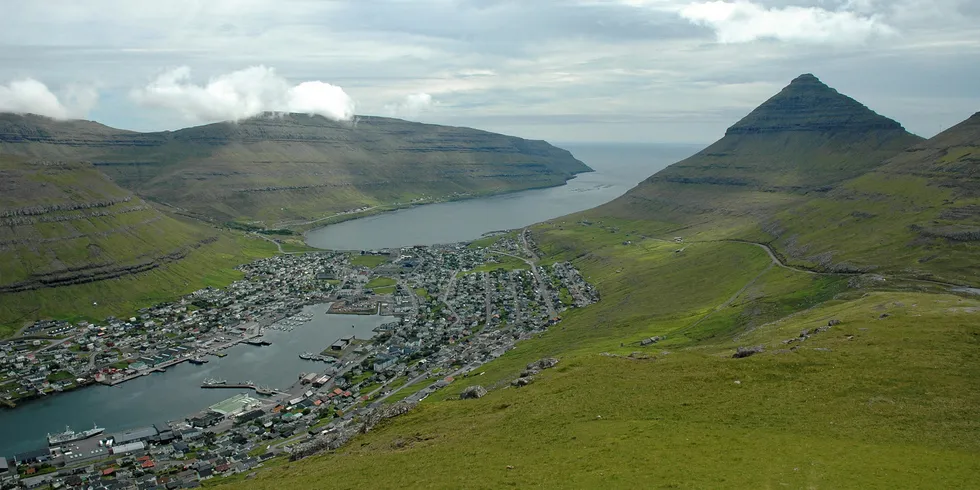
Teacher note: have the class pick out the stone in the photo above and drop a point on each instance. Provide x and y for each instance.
(529, 372)
(546, 363)
(523, 381)
(833, 323)
(747, 351)
(473, 392)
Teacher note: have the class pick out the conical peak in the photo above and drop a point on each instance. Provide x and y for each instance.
(807, 104)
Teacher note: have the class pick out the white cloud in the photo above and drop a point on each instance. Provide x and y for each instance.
(31, 96)
(411, 106)
(742, 21)
(242, 94)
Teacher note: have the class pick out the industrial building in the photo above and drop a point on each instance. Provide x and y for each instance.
(235, 405)
(141, 434)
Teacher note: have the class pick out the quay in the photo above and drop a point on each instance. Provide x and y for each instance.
(248, 385)
(196, 357)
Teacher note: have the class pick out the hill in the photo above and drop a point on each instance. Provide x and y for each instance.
(286, 169)
(858, 381)
(76, 244)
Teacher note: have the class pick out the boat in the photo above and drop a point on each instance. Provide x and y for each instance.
(198, 360)
(69, 435)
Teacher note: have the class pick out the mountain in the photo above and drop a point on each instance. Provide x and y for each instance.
(292, 167)
(797, 144)
(918, 213)
(72, 242)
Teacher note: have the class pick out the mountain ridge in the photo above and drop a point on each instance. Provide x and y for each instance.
(370, 161)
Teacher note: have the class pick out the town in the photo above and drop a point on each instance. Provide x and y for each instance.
(456, 306)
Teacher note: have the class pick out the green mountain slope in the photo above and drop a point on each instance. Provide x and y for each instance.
(797, 144)
(75, 243)
(885, 397)
(290, 168)
(918, 214)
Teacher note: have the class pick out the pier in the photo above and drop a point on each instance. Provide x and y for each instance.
(213, 384)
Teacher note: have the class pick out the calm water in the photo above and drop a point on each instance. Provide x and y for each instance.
(617, 169)
(176, 393)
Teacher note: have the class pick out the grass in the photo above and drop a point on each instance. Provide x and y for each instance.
(423, 293)
(380, 282)
(505, 262)
(876, 402)
(369, 261)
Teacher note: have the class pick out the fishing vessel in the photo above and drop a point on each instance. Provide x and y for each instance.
(69, 435)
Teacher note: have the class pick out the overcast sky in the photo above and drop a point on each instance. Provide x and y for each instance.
(576, 70)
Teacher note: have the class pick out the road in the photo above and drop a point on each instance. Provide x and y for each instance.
(488, 299)
(282, 224)
(444, 294)
(552, 313)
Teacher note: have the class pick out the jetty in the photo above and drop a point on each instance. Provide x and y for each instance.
(245, 385)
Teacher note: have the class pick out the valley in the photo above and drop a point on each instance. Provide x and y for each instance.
(791, 306)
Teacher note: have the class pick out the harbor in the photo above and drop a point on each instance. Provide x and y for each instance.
(158, 395)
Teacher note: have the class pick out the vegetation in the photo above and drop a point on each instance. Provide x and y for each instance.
(367, 260)
(505, 262)
(380, 282)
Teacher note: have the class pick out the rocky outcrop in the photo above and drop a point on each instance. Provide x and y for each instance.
(473, 392)
(532, 369)
(743, 352)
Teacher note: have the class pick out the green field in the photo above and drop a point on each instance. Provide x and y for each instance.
(370, 261)
(505, 262)
(380, 282)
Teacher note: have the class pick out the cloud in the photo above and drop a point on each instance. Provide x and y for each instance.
(242, 94)
(31, 96)
(741, 21)
(411, 106)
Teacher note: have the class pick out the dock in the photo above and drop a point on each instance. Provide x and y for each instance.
(210, 384)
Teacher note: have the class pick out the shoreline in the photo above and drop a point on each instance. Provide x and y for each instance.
(390, 208)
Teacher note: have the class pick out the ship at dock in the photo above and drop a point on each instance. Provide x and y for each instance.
(69, 435)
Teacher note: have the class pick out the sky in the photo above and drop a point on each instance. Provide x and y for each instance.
(564, 71)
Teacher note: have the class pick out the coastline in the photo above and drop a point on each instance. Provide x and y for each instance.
(391, 208)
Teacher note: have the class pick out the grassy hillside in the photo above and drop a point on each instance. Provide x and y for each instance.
(918, 215)
(74, 244)
(875, 402)
(287, 170)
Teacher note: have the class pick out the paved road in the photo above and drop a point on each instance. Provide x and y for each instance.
(552, 313)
